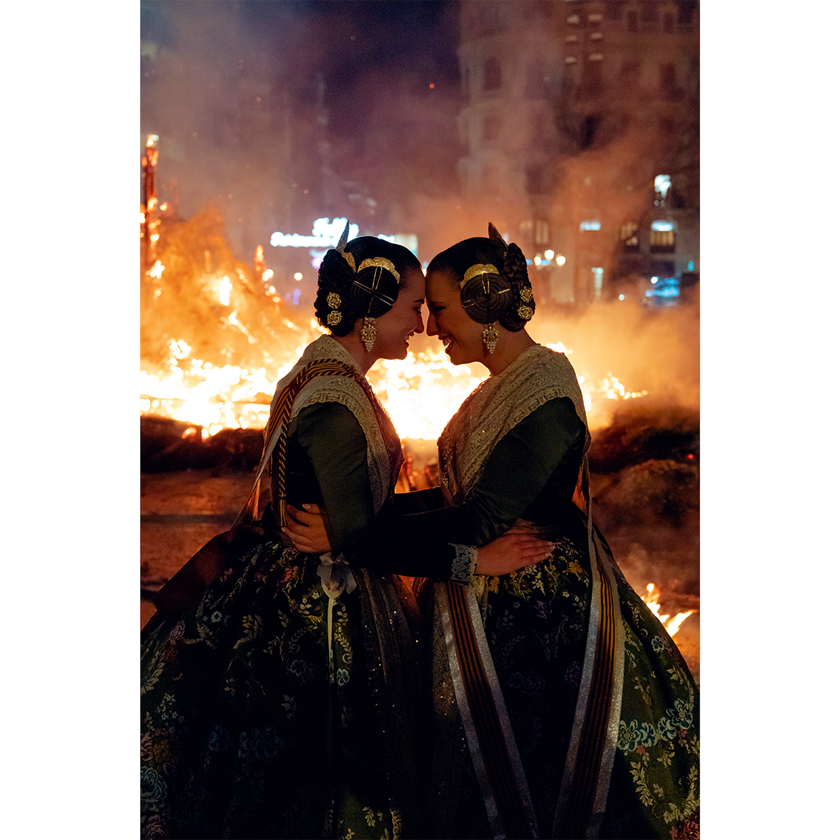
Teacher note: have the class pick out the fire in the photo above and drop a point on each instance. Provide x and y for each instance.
(224, 291)
(652, 600)
(207, 310)
(231, 311)
(420, 393)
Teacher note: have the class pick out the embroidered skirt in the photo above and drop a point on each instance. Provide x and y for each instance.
(535, 622)
(247, 732)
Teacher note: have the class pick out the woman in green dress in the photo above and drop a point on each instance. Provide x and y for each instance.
(280, 690)
(562, 708)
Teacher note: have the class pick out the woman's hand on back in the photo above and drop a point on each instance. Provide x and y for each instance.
(510, 552)
(305, 528)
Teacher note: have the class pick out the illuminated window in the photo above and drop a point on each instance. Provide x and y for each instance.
(541, 231)
(598, 280)
(595, 19)
(571, 39)
(662, 241)
(661, 186)
(628, 236)
(570, 59)
(574, 20)
(598, 56)
(596, 36)
(590, 224)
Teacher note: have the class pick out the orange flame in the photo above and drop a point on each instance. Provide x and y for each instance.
(420, 392)
(652, 600)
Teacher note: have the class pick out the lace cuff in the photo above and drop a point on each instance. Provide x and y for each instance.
(463, 565)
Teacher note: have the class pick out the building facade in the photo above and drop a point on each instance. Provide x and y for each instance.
(580, 127)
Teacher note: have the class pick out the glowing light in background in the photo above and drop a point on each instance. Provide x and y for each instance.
(662, 183)
(325, 234)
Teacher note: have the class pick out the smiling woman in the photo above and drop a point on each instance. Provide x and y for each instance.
(468, 295)
(264, 690)
(596, 724)
(377, 299)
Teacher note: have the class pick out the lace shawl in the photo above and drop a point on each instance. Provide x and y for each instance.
(497, 406)
(384, 453)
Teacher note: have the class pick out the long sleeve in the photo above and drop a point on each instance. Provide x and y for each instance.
(327, 465)
(530, 474)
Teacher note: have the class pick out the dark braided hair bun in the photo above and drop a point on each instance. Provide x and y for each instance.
(335, 276)
(486, 297)
(374, 290)
(522, 304)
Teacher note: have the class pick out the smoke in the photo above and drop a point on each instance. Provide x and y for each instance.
(287, 112)
(657, 351)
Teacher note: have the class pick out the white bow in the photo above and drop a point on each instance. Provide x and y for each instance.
(336, 575)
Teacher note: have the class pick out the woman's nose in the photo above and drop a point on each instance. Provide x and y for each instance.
(431, 325)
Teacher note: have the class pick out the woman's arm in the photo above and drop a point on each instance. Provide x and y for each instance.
(518, 468)
(332, 441)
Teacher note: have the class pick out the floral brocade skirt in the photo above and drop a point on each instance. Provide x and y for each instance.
(249, 730)
(535, 623)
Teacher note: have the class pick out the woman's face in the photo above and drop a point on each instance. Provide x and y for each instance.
(402, 320)
(460, 335)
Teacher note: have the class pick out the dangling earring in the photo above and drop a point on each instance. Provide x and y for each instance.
(368, 334)
(489, 337)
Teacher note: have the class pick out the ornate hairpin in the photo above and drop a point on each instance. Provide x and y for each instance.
(342, 243)
(334, 303)
(475, 270)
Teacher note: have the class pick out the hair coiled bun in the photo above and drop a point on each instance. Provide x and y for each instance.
(335, 276)
(486, 297)
(374, 289)
(521, 303)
